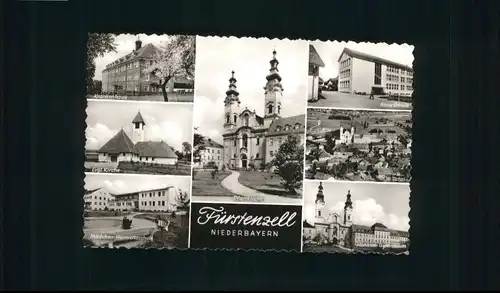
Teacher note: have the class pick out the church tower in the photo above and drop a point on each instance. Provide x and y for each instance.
(231, 104)
(320, 204)
(138, 128)
(348, 210)
(273, 93)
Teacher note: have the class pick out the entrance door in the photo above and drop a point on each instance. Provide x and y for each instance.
(114, 158)
(244, 161)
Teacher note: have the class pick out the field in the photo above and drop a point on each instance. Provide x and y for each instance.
(204, 185)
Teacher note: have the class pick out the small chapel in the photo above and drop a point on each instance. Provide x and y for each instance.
(253, 139)
(121, 148)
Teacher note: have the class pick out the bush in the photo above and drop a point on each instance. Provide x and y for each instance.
(126, 224)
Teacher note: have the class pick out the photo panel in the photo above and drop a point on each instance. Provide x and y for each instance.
(139, 137)
(136, 211)
(354, 217)
(141, 67)
(375, 76)
(248, 145)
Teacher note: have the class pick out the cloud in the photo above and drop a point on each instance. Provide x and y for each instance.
(164, 122)
(119, 184)
(249, 58)
(374, 205)
(98, 135)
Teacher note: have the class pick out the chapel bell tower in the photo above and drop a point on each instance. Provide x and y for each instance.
(138, 128)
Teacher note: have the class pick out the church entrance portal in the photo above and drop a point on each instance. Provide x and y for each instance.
(114, 158)
(335, 241)
(244, 161)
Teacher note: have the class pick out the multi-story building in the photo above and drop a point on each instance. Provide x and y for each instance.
(213, 153)
(154, 200)
(126, 74)
(331, 228)
(250, 138)
(97, 199)
(363, 73)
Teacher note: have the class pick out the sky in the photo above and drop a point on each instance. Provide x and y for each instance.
(330, 52)
(125, 43)
(118, 184)
(249, 57)
(388, 204)
(172, 123)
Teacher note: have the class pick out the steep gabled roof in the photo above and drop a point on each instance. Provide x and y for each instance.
(208, 142)
(371, 58)
(157, 149)
(146, 51)
(138, 118)
(291, 121)
(92, 190)
(120, 143)
(314, 57)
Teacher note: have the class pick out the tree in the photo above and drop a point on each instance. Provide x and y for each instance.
(182, 199)
(186, 148)
(97, 46)
(289, 163)
(199, 146)
(179, 155)
(175, 58)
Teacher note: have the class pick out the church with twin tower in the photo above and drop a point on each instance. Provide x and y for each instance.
(251, 140)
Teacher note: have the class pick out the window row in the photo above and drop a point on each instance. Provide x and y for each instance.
(345, 73)
(345, 84)
(346, 63)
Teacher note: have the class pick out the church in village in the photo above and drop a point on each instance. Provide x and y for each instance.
(253, 140)
(334, 229)
(121, 148)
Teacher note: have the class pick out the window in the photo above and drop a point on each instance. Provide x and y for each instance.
(235, 118)
(271, 153)
(234, 142)
(270, 109)
(218, 151)
(270, 142)
(257, 156)
(287, 127)
(297, 126)
(279, 109)
(227, 118)
(245, 140)
(147, 77)
(378, 74)
(218, 157)
(402, 79)
(279, 141)
(278, 128)
(258, 140)
(247, 120)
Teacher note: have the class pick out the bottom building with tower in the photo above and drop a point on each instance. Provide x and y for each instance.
(331, 229)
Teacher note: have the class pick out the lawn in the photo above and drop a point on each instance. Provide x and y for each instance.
(326, 248)
(96, 214)
(264, 182)
(204, 185)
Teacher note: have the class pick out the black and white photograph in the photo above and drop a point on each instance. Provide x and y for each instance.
(346, 217)
(141, 67)
(139, 137)
(249, 120)
(356, 145)
(140, 211)
(353, 75)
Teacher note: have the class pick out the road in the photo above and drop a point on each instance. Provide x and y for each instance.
(346, 100)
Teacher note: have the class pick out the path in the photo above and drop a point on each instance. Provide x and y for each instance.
(231, 183)
(346, 100)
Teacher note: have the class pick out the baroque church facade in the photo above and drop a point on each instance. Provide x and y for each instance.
(250, 139)
(334, 229)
